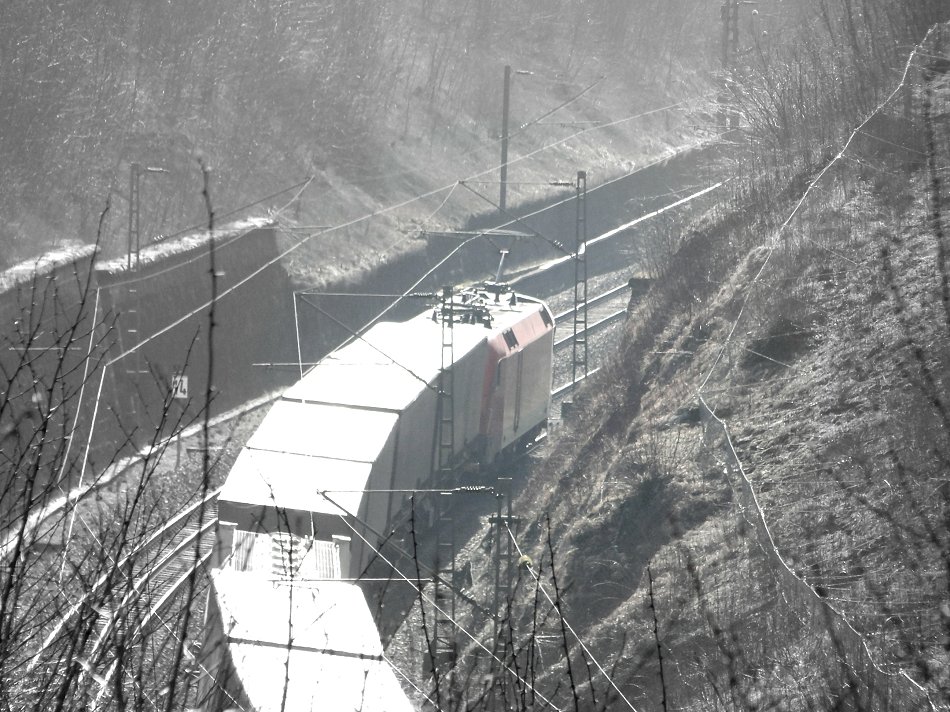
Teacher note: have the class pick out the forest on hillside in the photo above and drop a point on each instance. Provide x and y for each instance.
(271, 92)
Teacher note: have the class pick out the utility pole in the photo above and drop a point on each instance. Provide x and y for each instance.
(506, 97)
(135, 175)
(730, 32)
(505, 525)
(444, 621)
(730, 46)
(135, 172)
(131, 322)
(579, 341)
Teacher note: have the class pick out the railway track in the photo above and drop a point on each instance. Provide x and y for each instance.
(604, 310)
(610, 296)
(161, 566)
(153, 575)
(37, 519)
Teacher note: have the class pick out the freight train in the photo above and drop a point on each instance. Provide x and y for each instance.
(305, 506)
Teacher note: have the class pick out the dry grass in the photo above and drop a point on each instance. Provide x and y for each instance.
(829, 366)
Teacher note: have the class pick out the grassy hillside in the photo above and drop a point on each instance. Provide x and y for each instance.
(756, 488)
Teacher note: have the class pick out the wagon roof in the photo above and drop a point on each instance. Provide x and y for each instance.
(320, 430)
(263, 478)
(337, 659)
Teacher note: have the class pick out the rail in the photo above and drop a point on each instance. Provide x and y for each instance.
(178, 522)
(613, 292)
(619, 230)
(168, 595)
(110, 474)
(604, 296)
(135, 593)
(599, 324)
(561, 390)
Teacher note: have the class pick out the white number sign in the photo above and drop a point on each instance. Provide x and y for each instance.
(180, 386)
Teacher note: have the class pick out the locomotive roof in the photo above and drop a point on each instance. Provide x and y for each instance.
(336, 662)
(394, 361)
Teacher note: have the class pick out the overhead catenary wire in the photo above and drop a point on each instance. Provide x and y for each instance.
(113, 361)
(801, 201)
(409, 682)
(82, 468)
(369, 295)
(390, 249)
(103, 681)
(493, 142)
(540, 210)
(452, 620)
(553, 144)
(360, 337)
(636, 221)
(401, 204)
(562, 105)
(217, 683)
(191, 228)
(402, 552)
(567, 624)
(234, 239)
(514, 219)
(82, 390)
(464, 489)
(891, 143)
(760, 523)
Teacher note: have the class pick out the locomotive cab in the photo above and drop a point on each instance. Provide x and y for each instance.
(518, 376)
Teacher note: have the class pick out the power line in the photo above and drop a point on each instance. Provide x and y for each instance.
(409, 201)
(760, 523)
(444, 613)
(229, 240)
(558, 107)
(580, 642)
(409, 681)
(375, 348)
(158, 239)
(801, 201)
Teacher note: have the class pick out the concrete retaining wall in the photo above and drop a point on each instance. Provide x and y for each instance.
(164, 304)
